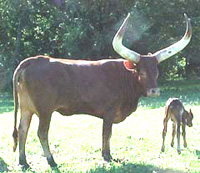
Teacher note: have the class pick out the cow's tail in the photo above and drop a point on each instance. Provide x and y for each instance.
(16, 105)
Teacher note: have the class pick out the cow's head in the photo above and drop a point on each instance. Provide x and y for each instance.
(146, 65)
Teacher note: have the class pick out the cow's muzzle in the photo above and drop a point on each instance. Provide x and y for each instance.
(153, 92)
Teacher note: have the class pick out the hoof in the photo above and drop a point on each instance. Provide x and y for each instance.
(51, 162)
(119, 160)
(107, 157)
(172, 144)
(24, 166)
(179, 151)
(163, 149)
(53, 165)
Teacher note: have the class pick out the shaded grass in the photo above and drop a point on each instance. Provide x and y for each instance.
(6, 102)
(130, 168)
(76, 141)
(3, 166)
(187, 91)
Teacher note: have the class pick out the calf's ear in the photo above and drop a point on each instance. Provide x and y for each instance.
(191, 113)
(129, 65)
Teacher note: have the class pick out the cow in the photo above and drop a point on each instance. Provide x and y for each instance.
(108, 89)
(175, 110)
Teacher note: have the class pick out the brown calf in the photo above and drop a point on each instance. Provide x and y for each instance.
(174, 109)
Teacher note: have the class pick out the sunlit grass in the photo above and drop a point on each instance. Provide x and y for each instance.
(75, 141)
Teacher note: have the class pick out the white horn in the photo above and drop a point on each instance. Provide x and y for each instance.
(176, 47)
(120, 48)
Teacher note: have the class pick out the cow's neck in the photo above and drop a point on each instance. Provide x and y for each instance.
(131, 92)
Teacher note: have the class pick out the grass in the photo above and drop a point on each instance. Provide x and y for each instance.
(75, 141)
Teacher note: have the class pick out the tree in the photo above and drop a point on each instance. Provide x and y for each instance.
(84, 29)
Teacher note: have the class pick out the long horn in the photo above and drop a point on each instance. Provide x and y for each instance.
(120, 48)
(176, 47)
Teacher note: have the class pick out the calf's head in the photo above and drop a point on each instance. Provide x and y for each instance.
(146, 65)
(189, 118)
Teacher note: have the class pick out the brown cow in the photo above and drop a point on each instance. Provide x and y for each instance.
(174, 109)
(108, 89)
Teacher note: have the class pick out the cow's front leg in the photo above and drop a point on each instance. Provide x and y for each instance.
(44, 123)
(107, 132)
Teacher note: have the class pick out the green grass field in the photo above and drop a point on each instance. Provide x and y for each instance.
(75, 141)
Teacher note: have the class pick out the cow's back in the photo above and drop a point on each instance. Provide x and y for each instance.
(71, 87)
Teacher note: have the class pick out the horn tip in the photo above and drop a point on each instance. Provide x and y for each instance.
(128, 15)
(186, 17)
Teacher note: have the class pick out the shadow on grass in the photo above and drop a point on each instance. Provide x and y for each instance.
(197, 153)
(3, 166)
(132, 168)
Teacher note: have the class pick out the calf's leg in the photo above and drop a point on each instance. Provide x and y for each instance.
(107, 132)
(24, 125)
(44, 123)
(164, 133)
(184, 135)
(178, 138)
(173, 133)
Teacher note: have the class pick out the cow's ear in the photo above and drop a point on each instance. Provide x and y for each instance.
(129, 65)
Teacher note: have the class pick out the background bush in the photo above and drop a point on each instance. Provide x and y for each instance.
(83, 29)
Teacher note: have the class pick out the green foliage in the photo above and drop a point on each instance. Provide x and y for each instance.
(84, 30)
(6, 102)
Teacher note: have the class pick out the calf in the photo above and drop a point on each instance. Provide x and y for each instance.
(174, 109)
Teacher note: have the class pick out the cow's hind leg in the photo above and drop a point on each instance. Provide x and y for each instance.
(24, 125)
(44, 123)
